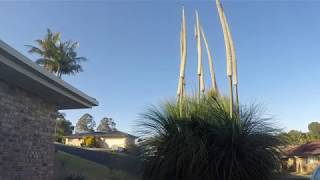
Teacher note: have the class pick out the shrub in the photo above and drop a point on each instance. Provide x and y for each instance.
(203, 142)
(89, 141)
(58, 138)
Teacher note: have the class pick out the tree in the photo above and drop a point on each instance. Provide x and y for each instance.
(106, 125)
(47, 50)
(294, 137)
(69, 62)
(203, 142)
(85, 124)
(56, 56)
(314, 129)
(63, 127)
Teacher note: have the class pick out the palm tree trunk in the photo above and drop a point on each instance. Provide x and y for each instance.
(59, 72)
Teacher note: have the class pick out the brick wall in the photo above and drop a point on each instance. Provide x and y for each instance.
(26, 135)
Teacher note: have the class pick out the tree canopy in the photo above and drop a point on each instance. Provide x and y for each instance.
(63, 127)
(295, 137)
(314, 129)
(106, 125)
(85, 124)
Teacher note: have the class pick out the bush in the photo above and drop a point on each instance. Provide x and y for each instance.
(89, 141)
(58, 138)
(203, 142)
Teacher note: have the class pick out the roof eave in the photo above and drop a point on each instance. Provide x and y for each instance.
(23, 65)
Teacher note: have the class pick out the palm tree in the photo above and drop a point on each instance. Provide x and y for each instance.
(205, 143)
(56, 56)
(47, 49)
(68, 61)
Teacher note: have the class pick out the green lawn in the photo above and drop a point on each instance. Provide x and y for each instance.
(67, 164)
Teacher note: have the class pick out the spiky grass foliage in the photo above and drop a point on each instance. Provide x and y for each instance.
(204, 143)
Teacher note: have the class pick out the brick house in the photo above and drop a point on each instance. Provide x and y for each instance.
(303, 158)
(29, 100)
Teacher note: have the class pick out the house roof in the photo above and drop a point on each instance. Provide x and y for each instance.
(20, 71)
(114, 133)
(311, 148)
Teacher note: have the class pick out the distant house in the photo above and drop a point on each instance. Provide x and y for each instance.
(302, 159)
(109, 140)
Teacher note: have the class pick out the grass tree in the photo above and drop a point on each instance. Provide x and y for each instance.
(205, 143)
(56, 56)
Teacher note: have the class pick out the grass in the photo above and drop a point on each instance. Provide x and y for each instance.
(67, 164)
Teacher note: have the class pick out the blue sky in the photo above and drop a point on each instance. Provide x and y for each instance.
(133, 52)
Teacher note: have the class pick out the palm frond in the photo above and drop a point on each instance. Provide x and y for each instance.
(33, 49)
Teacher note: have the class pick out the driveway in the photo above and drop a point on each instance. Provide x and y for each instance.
(112, 160)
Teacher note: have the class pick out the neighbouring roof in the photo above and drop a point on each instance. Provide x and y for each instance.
(308, 149)
(115, 134)
(20, 71)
